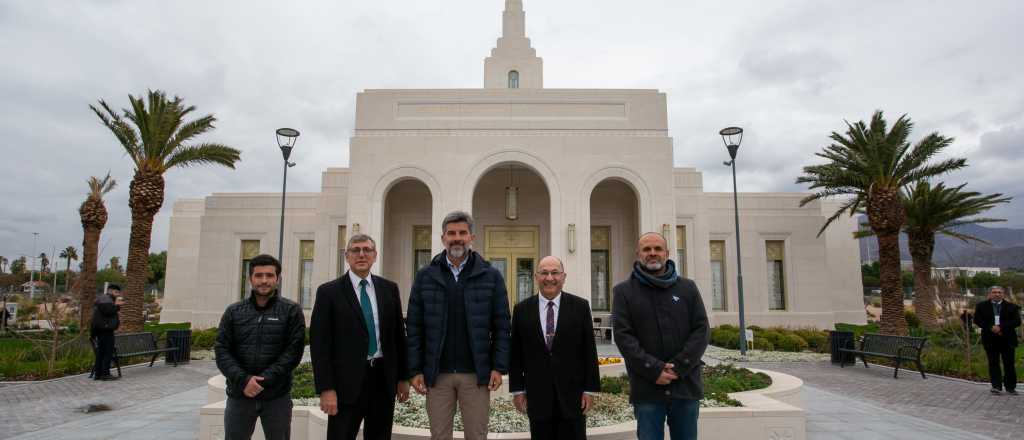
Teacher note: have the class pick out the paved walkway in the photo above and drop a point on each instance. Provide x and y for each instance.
(852, 403)
(948, 402)
(36, 406)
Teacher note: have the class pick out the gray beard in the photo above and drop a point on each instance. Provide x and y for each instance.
(653, 266)
(457, 251)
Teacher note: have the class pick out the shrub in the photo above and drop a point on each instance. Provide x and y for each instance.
(791, 342)
(817, 340)
(912, 320)
(204, 339)
(726, 337)
(615, 384)
(726, 378)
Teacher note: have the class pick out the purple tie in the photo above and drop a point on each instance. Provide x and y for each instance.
(549, 334)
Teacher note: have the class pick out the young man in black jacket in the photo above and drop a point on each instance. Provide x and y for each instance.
(259, 342)
(661, 329)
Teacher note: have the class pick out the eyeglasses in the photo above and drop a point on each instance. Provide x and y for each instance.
(555, 274)
(361, 251)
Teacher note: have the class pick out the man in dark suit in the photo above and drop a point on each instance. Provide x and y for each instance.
(358, 350)
(999, 320)
(553, 368)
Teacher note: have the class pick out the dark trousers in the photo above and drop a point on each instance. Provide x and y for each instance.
(374, 407)
(558, 427)
(681, 416)
(275, 415)
(104, 354)
(1002, 355)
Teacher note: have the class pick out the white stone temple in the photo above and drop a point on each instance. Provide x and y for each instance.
(575, 173)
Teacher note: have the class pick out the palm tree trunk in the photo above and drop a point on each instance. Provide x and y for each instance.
(67, 276)
(87, 283)
(921, 248)
(145, 198)
(893, 320)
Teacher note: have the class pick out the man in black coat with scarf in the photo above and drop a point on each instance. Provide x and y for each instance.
(999, 320)
(661, 329)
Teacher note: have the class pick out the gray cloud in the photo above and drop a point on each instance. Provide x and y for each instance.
(789, 72)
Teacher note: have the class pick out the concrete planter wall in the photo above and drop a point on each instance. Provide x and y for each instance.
(771, 413)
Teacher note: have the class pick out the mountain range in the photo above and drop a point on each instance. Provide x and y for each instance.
(1005, 249)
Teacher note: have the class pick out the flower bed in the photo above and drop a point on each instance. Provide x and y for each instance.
(611, 407)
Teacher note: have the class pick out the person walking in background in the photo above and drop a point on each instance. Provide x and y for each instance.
(999, 320)
(661, 329)
(105, 321)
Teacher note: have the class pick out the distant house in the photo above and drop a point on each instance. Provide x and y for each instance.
(40, 287)
(950, 273)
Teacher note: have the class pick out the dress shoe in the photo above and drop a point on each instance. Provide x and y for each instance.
(995, 391)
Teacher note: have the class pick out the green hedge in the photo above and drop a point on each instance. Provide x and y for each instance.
(772, 338)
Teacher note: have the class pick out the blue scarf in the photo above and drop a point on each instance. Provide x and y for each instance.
(663, 281)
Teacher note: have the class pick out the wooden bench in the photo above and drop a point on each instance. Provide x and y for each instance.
(128, 345)
(898, 348)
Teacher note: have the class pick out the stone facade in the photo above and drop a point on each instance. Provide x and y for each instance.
(590, 170)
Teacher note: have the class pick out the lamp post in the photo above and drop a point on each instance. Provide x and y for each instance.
(32, 271)
(286, 140)
(732, 137)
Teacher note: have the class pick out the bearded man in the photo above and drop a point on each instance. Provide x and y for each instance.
(661, 329)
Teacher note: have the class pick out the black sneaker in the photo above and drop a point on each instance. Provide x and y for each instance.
(995, 391)
(1011, 392)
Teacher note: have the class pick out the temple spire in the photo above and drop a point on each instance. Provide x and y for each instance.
(513, 63)
(513, 20)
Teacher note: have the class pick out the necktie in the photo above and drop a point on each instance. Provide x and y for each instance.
(371, 328)
(549, 332)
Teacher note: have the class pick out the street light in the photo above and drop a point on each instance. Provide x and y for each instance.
(32, 272)
(732, 137)
(286, 140)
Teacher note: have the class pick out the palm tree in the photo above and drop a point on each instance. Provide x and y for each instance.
(44, 263)
(94, 217)
(870, 165)
(3, 264)
(938, 209)
(156, 136)
(69, 253)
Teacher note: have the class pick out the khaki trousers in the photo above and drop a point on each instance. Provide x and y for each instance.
(474, 403)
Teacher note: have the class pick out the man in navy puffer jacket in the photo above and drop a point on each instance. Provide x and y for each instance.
(459, 332)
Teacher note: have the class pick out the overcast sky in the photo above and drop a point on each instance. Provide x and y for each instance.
(789, 72)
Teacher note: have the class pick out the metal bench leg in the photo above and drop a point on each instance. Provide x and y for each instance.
(153, 359)
(117, 362)
(864, 359)
(896, 372)
(921, 369)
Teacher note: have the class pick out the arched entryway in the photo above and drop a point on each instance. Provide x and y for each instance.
(512, 209)
(405, 242)
(614, 230)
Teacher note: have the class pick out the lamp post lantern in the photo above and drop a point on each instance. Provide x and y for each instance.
(286, 138)
(732, 137)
